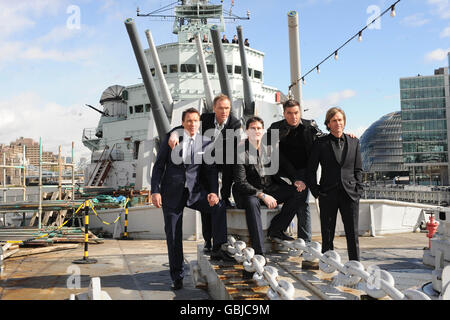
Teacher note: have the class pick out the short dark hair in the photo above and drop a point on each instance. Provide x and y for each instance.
(253, 119)
(290, 103)
(189, 110)
(331, 113)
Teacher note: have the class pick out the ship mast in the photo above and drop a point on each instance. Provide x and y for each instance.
(192, 16)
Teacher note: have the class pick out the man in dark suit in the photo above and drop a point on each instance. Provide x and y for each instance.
(175, 185)
(220, 126)
(340, 182)
(253, 184)
(296, 138)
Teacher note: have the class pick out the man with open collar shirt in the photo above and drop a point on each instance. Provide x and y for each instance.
(296, 138)
(255, 183)
(340, 185)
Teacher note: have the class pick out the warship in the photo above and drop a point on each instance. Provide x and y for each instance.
(189, 73)
(183, 74)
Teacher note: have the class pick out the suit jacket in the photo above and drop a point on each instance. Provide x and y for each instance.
(249, 177)
(346, 174)
(170, 179)
(208, 119)
(311, 133)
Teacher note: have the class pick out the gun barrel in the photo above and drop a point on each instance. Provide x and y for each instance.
(221, 65)
(165, 92)
(159, 116)
(249, 101)
(206, 83)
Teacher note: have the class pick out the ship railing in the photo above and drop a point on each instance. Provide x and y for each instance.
(377, 283)
(89, 134)
(441, 198)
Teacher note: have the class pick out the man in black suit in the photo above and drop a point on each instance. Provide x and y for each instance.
(220, 126)
(340, 182)
(254, 184)
(296, 138)
(175, 185)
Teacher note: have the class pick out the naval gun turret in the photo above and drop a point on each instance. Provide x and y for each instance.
(159, 115)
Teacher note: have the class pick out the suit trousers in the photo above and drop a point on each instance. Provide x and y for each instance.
(173, 226)
(304, 230)
(285, 194)
(225, 191)
(293, 203)
(329, 204)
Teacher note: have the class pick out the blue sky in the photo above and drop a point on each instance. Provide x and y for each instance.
(50, 70)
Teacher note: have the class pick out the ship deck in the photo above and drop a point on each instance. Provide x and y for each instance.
(138, 269)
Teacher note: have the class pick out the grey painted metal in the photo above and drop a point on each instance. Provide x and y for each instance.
(294, 56)
(249, 100)
(1, 261)
(165, 92)
(206, 83)
(221, 65)
(159, 116)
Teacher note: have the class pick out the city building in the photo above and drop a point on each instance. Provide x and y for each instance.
(14, 156)
(381, 150)
(425, 106)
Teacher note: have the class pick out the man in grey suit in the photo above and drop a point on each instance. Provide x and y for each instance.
(175, 185)
(340, 184)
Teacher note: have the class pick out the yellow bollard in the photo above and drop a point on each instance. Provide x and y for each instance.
(125, 230)
(86, 259)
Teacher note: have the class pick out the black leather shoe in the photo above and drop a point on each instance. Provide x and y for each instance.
(221, 255)
(281, 235)
(207, 247)
(228, 204)
(177, 284)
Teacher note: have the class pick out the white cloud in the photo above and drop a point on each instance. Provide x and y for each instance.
(358, 132)
(440, 8)
(16, 51)
(62, 33)
(445, 33)
(415, 20)
(437, 55)
(29, 115)
(16, 16)
(317, 107)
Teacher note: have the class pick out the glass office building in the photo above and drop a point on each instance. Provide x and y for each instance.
(381, 149)
(425, 103)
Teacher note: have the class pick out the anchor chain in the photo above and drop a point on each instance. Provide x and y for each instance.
(375, 282)
(263, 275)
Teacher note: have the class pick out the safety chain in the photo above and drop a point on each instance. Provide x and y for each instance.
(263, 275)
(376, 283)
(91, 204)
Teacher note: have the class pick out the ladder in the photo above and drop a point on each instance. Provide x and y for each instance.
(102, 168)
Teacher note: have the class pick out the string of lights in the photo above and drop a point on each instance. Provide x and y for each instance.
(335, 52)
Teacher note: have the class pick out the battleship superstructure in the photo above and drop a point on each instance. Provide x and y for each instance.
(126, 121)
